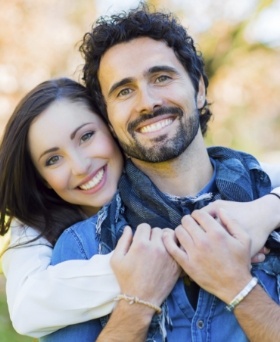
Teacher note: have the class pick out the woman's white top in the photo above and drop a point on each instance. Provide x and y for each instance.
(44, 298)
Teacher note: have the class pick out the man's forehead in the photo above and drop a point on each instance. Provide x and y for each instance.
(136, 46)
(136, 56)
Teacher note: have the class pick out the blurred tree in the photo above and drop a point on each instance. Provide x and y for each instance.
(38, 38)
(244, 86)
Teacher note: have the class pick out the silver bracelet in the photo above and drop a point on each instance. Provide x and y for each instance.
(242, 294)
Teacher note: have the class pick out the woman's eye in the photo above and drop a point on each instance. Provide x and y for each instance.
(53, 160)
(87, 136)
(124, 92)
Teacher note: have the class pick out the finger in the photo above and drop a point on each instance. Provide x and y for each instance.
(260, 257)
(168, 230)
(124, 243)
(184, 238)
(143, 232)
(195, 231)
(211, 209)
(156, 238)
(206, 222)
(232, 226)
(171, 233)
(173, 249)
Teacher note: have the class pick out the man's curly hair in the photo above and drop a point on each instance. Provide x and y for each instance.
(141, 22)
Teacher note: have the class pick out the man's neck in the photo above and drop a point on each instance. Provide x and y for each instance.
(184, 176)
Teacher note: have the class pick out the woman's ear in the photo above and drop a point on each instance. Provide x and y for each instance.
(201, 96)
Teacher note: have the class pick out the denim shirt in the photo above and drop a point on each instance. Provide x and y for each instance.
(210, 321)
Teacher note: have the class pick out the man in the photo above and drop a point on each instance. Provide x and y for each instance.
(224, 265)
(150, 80)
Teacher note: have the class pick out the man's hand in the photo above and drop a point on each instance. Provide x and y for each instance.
(258, 218)
(214, 255)
(143, 266)
(144, 269)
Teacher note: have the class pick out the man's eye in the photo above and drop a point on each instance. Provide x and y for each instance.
(124, 92)
(162, 78)
(53, 160)
(87, 136)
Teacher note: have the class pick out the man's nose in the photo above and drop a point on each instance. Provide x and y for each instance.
(147, 100)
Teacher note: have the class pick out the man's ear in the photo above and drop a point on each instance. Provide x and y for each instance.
(201, 96)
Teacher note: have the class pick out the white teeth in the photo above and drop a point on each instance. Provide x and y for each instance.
(93, 182)
(156, 126)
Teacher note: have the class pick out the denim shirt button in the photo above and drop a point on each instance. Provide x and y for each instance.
(200, 324)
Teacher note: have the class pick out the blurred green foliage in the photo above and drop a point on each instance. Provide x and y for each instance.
(7, 333)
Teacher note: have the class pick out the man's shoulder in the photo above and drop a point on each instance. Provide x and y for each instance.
(225, 153)
(77, 242)
(81, 230)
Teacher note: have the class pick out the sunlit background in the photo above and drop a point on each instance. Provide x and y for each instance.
(240, 41)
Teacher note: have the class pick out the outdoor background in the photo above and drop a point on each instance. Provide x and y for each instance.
(240, 41)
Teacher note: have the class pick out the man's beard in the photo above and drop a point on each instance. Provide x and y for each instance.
(164, 149)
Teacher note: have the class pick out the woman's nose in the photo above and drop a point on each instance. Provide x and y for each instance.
(80, 165)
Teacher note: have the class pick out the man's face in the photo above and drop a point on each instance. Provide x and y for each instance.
(151, 102)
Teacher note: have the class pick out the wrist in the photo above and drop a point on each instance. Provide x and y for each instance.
(135, 313)
(242, 294)
(234, 287)
(135, 300)
(127, 323)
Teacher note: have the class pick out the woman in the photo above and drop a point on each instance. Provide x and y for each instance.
(58, 168)
(59, 165)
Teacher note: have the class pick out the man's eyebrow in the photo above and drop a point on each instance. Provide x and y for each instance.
(160, 68)
(119, 84)
(152, 70)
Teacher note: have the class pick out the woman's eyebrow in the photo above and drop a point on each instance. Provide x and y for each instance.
(53, 149)
(72, 136)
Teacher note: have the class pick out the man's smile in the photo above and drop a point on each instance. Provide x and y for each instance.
(156, 126)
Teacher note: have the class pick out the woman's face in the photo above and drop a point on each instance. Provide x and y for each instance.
(74, 152)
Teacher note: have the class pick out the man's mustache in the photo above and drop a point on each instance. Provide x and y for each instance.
(158, 112)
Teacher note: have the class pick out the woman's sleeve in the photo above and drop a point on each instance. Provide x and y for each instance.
(273, 171)
(43, 298)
